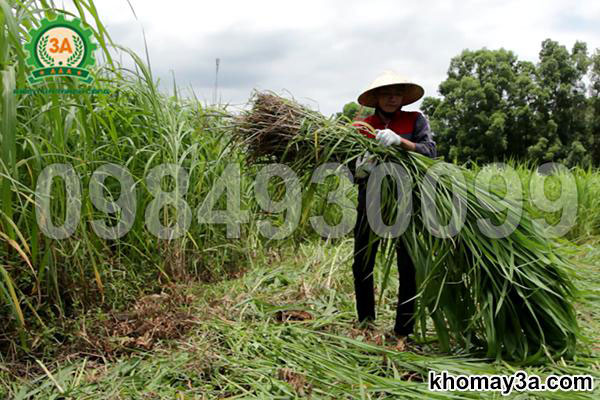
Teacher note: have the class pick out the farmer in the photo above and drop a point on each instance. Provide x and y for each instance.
(405, 131)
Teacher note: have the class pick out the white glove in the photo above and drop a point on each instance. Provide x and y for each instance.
(365, 164)
(388, 137)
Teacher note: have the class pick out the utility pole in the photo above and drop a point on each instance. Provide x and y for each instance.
(216, 81)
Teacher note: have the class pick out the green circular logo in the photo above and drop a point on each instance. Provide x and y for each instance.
(60, 47)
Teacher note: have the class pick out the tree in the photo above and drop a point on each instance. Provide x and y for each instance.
(594, 113)
(354, 111)
(494, 106)
(485, 105)
(562, 102)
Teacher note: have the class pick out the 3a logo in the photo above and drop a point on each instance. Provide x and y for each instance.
(60, 47)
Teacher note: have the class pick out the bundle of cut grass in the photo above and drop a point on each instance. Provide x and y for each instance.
(274, 130)
(510, 297)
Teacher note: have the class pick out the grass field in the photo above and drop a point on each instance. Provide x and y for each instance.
(283, 329)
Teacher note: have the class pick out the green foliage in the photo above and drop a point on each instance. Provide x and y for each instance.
(135, 126)
(351, 109)
(594, 114)
(44, 280)
(494, 106)
(354, 111)
(241, 348)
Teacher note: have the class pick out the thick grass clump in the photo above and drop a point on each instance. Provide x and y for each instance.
(43, 281)
(511, 297)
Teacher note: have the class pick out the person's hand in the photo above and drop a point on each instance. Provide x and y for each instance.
(388, 137)
(365, 164)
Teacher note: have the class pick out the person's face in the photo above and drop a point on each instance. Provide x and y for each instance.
(389, 98)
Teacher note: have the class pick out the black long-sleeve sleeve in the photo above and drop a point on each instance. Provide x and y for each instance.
(423, 138)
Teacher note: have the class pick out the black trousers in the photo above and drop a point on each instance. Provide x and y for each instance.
(366, 243)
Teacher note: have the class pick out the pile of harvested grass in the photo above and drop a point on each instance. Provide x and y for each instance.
(511, 297)
(275, 130)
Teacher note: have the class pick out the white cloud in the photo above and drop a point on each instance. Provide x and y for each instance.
(329, 51)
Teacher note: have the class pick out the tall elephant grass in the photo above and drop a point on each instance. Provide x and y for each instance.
(511, 297)
(134, 126)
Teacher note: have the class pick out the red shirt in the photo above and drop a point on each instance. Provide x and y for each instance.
(402, 123)
(410, 125)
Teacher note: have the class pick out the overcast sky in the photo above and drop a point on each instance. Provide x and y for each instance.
(326, 52)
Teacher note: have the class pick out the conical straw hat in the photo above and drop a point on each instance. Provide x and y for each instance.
(412, 91)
